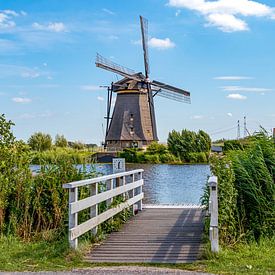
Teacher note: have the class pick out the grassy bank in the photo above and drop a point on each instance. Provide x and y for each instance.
(16, 255)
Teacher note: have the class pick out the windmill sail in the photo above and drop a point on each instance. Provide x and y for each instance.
(109, 65)
(171, 92)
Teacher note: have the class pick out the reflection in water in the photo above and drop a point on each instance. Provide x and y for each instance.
(169, 183)
(166, 184)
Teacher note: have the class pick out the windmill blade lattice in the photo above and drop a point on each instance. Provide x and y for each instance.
(109, 65)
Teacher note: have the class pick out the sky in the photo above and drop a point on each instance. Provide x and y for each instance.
(221, 51)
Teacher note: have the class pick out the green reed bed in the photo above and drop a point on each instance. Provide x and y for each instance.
(34, 208)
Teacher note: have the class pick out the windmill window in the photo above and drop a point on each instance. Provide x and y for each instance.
(132, 130)
(131, 117)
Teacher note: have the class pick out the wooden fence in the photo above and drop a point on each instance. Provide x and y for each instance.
(213, 211)
(129, 184)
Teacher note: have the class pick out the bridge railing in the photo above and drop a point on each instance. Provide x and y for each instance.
(213, 211)
(128, 184)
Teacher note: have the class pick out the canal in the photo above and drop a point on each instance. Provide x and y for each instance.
(169, 184)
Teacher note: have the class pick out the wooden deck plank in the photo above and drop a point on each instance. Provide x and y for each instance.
(154, 236)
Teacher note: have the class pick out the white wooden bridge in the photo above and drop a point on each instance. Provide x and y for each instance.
(157, 234)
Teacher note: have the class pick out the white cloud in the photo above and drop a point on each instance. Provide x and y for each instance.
(232, 78)
(91, 88)
(54, 27)
(21, 100)
(108, 11)
(7, 70)
(6, 19)
(100, 98)
(197, 117)
(237, 96)
(161, 44)
(230, 114)
(225, 14)
(226, 22)
(30, 74)
(245, 89)
(112, 37)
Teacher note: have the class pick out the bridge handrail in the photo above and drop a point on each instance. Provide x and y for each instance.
(213, 211)
(117, 185)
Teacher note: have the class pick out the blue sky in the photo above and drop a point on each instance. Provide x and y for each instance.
(221, 51)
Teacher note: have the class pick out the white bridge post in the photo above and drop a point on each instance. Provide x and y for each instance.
(214, 213)
(73, 218)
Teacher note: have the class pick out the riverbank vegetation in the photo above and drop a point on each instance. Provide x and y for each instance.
(47, 151)
(34, 209)
(182, 147)
(246, 198)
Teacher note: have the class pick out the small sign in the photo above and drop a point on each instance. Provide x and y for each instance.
(118, 165)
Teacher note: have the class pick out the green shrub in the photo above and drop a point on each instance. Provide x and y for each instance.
(40, 142)
(152, 159)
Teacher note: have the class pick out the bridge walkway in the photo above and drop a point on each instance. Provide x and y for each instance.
(155, 235)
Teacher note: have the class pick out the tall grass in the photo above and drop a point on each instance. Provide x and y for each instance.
(246, 191)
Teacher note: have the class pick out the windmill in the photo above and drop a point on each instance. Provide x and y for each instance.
(132, 122)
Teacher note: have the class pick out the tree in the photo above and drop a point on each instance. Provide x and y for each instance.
(78, 145)
(156, 148)
(6, 136)
(61, 141)
(184, 143)
(40, 142)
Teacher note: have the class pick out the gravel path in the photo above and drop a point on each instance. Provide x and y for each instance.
(116, 270)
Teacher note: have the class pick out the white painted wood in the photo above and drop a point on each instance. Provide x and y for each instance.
(86, 226)
(116, 186)
(100, 179)
(73, 218)
(214, 214)
(94, 208)
(93, 200)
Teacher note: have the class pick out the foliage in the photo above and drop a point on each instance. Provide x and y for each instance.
(183, 144)
(78, 145)
(57, 154)
(60, 141)
(246, 191)
(40, 142)
(232, 145)
(156, 148)
(155, 153)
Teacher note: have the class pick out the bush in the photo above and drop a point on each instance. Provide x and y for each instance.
(61, 141)
(40, 142)
(156, 148)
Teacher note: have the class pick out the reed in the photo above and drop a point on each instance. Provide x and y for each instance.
(246, 191)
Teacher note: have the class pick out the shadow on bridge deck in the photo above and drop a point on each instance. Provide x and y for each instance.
(155, 235)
